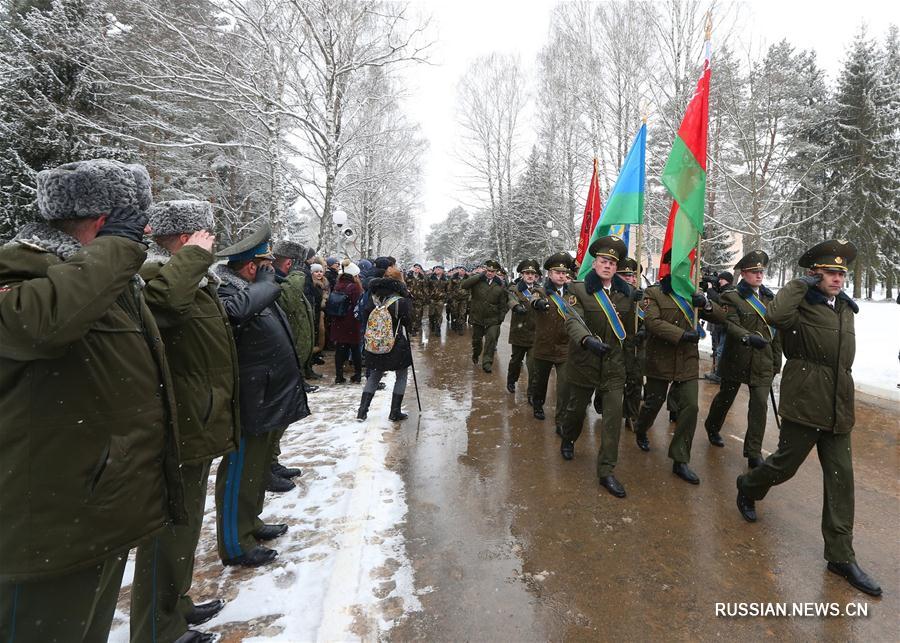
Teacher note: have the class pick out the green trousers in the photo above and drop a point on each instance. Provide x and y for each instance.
(276, 444)
(577, 401)
(164, 568)
(489, 335)
(517, 355)
(683, 396)
(756, 414)
(634, 390)
(78, 606)
(794, 444)
(240, 493)
(542, 370)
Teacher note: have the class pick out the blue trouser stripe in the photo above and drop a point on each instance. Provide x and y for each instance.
(233, 501)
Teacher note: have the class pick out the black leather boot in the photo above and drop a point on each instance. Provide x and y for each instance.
(396, 414)
(364, 403)
(538, 406)
(202, 612)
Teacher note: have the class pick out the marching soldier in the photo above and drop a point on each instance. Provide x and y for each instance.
(596, 354)
(551, 341)
(521, 326)
(418, 292)
(816, 321)
(673, 361)
(456, 300)
(751, 356)
(488, 311)
(634, 347)
(437, 296)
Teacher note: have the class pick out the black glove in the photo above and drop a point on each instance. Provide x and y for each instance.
(541, 304)
(755, 341)
(128, 223)
(640, 336)
(519, 309)
(595, 346)
(637, 294)
(690, 336)
(698, 299)
(265, 273)
(811, 280)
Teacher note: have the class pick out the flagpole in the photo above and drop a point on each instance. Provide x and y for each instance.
(639, 251)
(699, 233)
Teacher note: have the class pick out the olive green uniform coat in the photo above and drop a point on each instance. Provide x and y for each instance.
(551, 347)
(671, 361)
(521, 334)
(437, 298)
(587, 372)
(486, 313)
(816, 406)
(742, 364)
(181, 293)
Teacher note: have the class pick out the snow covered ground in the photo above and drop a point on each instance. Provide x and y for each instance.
(342, 571)
(876, 370)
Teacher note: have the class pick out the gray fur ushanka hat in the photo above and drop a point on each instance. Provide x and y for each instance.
(88, 189)
(290, 249)
(178, 217)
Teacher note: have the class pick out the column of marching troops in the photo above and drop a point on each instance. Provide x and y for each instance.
(119, 372)
(633, 350)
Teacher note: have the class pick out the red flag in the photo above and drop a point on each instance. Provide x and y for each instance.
(592, 211)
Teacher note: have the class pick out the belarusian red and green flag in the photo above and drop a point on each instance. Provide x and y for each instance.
(591, 216)
(625, 205)
(684, 176)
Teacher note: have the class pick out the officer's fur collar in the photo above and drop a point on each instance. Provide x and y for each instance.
(46, 238)
(744, 290)
(593, 283)
(160, 255)
(815, 296)
(229, 277)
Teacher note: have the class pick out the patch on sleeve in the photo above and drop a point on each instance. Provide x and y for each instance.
(4, 289)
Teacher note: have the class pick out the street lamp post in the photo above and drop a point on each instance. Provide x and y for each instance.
(339, 218)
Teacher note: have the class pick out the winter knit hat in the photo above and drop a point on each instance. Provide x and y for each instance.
(316, 267)
(351, 269)
(330, 261)
(290, 250)
(180, 217)
(89, 189)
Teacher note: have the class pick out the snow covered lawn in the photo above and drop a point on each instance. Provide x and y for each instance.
(342, 571)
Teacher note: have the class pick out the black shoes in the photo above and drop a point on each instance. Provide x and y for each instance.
(310, 389)
(204, 611)
(193, 636)
(598, 404)
(270, 532)
(530, 400)
(396, 414)
(567, 449)
(856, 577)
(486, 369)
(381, 386)
(754, 461)
(715, 439)
(539, 410)
(277, 484)
(613, 486)
(257, 556)
(357, 378)
(364, 403)
(642, 440)
(318, 360)
(340, 379)
(475, 359)
(511, 386)
(285, 472)
(559, 430)
(673, 417)
(745, 505)
(681, 470)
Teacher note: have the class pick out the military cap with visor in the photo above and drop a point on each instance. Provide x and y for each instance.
(834, 254)
(491, 264)
(611, 247)
(528, 264)
(753, 260)
(627, 266)
(559, 261)
(256, 245)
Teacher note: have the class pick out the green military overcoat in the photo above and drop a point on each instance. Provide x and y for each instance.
(740, 362)
(489, 300)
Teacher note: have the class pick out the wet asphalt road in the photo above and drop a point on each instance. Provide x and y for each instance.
(514, 544)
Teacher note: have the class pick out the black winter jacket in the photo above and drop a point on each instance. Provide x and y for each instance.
(400, 356)
(271, 378)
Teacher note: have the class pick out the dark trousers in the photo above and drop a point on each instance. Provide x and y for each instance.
(577, 401)
(517, 355)
(78, 606)
(756, 414)
(164, 568)
(435, 314)
(342, 352)
(634, 391)
(240, 493)
(684, 398)
(794, 444)
(542, 370)
(484, 343)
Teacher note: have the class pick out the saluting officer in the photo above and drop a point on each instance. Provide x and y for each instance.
(752, 355)
(488, 311)
(521, 326)
(816, 321)
(596, 355)
(551, 341)
(673, 360)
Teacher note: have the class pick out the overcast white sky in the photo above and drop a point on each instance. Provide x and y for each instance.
(466, 29)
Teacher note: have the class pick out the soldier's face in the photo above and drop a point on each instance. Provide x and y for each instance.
(604, 267)
(490, 274)
(529, 277)
(438, 272)
(832, 281)
(629, 278)
(753, 277)
(559, 277)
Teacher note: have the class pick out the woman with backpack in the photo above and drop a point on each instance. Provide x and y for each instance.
(345, 330)
(388, 318)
